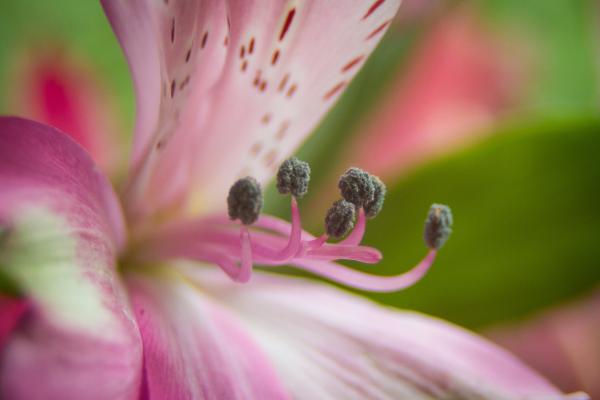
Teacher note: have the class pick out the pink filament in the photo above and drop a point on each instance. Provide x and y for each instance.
(276, 243)
(295, 240)
(357, 234)
(246, 262)
(360, 280)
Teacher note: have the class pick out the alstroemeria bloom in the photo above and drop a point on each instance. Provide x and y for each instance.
(135, 304)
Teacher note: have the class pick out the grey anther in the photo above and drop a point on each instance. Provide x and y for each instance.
(438, 226)
(373, 207)
(293, 177)
(245, 200)
(357, 187)
(340, 219)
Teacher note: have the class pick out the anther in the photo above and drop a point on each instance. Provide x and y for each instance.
(245, 200)
(357, 187)
(438, 226)
(372, 208)
(293, 177)
(340, 218)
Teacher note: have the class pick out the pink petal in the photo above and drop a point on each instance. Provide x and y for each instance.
(51, 86)
(347, 347)
(62, 228)
(11, 311)
(194, 348)
(562, 343)
(234, 86)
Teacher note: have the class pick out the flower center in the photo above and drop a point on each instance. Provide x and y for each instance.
(271, 242)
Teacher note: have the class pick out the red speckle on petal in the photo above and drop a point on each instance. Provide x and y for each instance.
(256, 81)
(281, 132)
(188, 55)
(288, 22)
(173, 88)
(292, 90)
(263, 86)
(204, 39)
(378, 30)
(283, 82)
(242, 51)
(184, 83)
(173, 30)
(244, 65)
(270, 158)
(372, 9)
(255, 149)
(266, 118)
(334, 90)
(352, 63)
(275, 57)
(251, 46)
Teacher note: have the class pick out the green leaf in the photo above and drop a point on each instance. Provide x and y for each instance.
(526, 236)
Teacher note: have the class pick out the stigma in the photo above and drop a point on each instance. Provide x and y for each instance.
(270, 242)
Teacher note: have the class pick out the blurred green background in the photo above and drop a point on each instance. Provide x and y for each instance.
(524, 187)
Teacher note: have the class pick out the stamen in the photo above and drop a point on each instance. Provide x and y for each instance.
(340, 219)
(373, 207)
(293, 177)
(438, 226)
(245, 200)
(275, 243)
(357, 234)
(295, 241)
(329, 252)
(356, 187)
(245, 270)
(364, 281)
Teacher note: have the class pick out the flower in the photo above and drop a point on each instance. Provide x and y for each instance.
(52, 86)
(121, 305)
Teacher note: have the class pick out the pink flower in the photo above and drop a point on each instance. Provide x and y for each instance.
(459, 84)
(127, 305)
(50, 85)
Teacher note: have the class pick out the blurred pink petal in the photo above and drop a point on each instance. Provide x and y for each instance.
(347, 347)
(51, 87)
(11, 311)
(459, 84)
(194, 348)
(63, 228)
(233, 87)
(563, 344)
